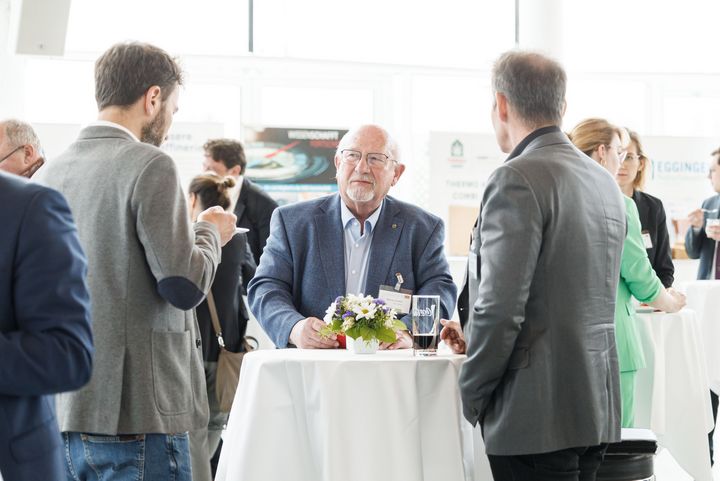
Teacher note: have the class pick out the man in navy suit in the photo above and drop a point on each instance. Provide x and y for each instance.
(351, 242)
(45, 337)
(701, 241)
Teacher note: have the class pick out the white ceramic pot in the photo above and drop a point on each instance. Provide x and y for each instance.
(361, 346)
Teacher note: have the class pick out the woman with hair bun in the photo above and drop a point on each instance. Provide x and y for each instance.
(205, 191)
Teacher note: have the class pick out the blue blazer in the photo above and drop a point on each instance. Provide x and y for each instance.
(698, 245)
(302, 269)
(45, 336)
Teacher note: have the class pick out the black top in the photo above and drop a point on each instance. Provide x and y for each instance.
(237, 262)
(653, 221)
(253, 210)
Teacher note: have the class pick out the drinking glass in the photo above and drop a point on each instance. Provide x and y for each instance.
(425, 324)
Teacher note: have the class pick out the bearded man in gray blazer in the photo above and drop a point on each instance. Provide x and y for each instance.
(147, 268)
(542, 372)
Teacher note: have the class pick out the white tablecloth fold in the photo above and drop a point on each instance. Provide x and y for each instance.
(704, 298)
(672, 395)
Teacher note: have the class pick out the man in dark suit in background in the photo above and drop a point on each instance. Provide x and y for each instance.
(701, 242)
(542, 374)
(252, 205)
(45, 335)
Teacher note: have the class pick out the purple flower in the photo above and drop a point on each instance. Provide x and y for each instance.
(338, 300)
(347, 314)
(379, 302)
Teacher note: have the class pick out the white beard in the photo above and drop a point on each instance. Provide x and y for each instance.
(360, 193)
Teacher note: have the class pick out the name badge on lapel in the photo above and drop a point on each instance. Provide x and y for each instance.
(647, 240)
(396, 297)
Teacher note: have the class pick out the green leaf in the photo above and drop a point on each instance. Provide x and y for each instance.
(353, 332)
(398, 325)
(385, 334)
(366, 333)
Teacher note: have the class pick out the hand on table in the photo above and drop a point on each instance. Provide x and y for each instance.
(305, 334)
(678, 297)
(453, 336)
(404, 341)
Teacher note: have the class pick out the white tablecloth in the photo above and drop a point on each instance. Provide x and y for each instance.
(672, 395)
(704, 298)
(329, 415)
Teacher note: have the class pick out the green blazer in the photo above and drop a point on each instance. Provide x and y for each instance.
(637, 279)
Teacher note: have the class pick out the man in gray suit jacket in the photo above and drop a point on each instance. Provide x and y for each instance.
(351, 242)
(542, 370)
(147, 268)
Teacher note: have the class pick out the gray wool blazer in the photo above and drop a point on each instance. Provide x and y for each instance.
(147, 268)
(542, 369)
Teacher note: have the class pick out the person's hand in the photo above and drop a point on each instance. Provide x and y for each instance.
(679, 299)
(404, 341)
(453, 336)
(305, 334)
(696, 218)
(713, 232)
(224, 221)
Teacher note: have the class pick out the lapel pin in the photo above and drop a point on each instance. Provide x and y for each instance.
(394, 226)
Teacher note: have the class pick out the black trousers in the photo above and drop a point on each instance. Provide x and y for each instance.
(572, 464)
(714, 402)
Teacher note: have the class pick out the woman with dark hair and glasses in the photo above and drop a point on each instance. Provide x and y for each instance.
(205, 191)
(631, 178)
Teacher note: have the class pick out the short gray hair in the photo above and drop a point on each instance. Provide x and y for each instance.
(21, 133)
(533, 84)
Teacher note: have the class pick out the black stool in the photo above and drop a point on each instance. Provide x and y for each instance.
(632, 459)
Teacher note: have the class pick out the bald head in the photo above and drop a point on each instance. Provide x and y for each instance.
(367, 169)
(370, 131)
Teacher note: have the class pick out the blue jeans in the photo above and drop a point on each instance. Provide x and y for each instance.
(127, 457)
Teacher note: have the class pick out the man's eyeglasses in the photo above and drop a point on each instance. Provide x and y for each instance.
(12, 152)
(352, 157)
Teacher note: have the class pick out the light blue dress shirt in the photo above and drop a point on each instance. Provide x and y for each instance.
(357, 248)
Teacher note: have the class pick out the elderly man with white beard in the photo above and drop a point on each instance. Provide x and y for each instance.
(352, 242)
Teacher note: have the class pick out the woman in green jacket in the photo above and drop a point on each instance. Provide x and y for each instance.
(605, 143)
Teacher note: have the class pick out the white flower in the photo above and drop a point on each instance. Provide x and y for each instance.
(365, 309)
(329, 313)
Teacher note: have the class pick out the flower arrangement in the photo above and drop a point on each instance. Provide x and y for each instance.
(357, 316)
